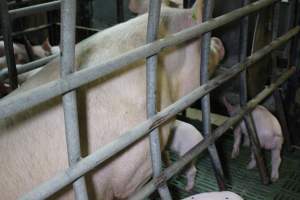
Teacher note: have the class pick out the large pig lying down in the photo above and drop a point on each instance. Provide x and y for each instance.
(215, 196)
(32, 143)
(269, 134)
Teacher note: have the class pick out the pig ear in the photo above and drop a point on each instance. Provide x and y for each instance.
(46, 45)
(198, 10)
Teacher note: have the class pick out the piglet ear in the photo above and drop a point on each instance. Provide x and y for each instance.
(198, 11)
(46, 45)
(217, 46)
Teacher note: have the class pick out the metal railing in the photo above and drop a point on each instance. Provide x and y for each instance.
(6, 17)
(70, 81)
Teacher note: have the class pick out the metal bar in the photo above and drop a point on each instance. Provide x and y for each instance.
(255, 144)
(195, 151)
(120, 11)
(31, 10)
(28, 31)
(84, 28)
(290, 23)
(277, 97)
(67, 66)
(12, 105)
(8, 44)
(152, 32)
(205, 101)
(28, 66)
(88, 163)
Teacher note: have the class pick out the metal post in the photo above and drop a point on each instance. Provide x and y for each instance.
(152, 32)
(277, 97)
(205, 101)
(255, 144)
(120, 11)
(290, 24)
(67, 63)
(8, 43)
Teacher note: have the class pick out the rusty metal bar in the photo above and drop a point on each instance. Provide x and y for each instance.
(277, 97)
(195, 151)
(88, 163)
(67, 66)
(8, 44)
(205, 101)
(255, 144)
(152, 32)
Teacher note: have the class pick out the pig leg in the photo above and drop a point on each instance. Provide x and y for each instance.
(237, 142)
(190, 176)
(185, 138)
(246, 142)
(252, 162)
(276, 160)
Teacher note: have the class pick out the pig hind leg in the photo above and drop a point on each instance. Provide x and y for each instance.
(237, 142)
(276, 160)
(190, 176)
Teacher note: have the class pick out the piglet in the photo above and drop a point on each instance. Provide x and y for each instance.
(185, 137)
(269, 134)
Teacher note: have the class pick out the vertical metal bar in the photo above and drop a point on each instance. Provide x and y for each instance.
(255, 144)
(152, 32)
(290, 24)
(120, 11)
(277, 97)
(9, 49)
(67, 63)
(205, 101)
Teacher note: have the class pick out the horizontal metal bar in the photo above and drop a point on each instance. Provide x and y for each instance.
(28, 66)
(189, 156)
(52, 89)
(88, 163)
(31, 10)
(84, 28)
(28, 31)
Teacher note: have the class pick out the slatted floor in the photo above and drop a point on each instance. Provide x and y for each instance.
(242, 181)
